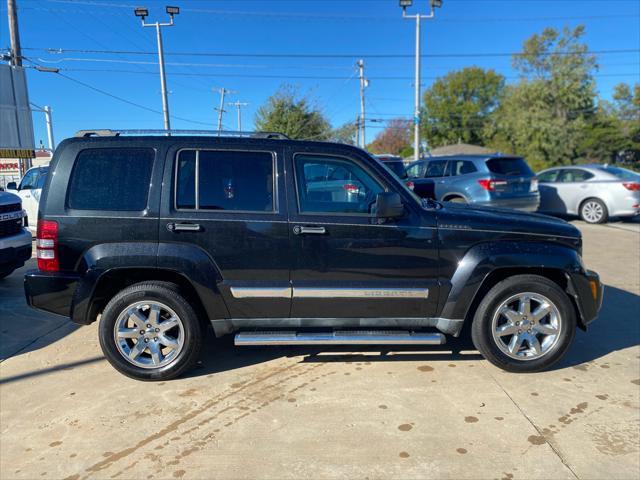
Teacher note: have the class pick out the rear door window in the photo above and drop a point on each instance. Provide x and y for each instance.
(435, 168)
(225, 180)
(111, 179)
(509, 166)
(460, 167)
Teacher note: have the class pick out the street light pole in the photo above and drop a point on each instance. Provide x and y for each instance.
(47, 113)
(143, 13)
(416, 110)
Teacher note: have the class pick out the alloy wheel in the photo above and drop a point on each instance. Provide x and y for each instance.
(592, 212)
(526, 326)
(149, 334)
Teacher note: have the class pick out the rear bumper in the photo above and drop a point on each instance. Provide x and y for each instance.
(50, 292)
(588, 293)
(528, 203)
(15, 250)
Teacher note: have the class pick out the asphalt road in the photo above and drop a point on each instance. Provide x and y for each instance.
(439, 412)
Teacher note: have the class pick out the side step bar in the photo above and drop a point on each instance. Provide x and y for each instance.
(345, 337)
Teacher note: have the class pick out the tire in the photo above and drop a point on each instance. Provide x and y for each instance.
(174, 333)
(551, 348)
(594, 211)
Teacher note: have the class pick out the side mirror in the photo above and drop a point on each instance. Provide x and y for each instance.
(388, 205)
(12, 186)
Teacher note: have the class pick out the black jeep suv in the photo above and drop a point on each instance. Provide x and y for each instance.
(290, 242)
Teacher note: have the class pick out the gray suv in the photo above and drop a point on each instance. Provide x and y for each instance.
(490, 180)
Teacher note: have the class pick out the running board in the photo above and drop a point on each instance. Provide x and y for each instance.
(344, 337)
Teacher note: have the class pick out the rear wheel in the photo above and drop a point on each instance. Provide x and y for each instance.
(150, 332)
(456, 200)
(594, 210)
(525, 323)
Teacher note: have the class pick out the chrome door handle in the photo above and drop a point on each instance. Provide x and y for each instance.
(300, 230)
(183, 227)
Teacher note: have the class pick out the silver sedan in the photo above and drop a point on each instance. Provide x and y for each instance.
(593, 192)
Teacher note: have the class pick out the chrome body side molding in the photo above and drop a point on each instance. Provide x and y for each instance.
(311, 292)
(261, 292)
(304, 292)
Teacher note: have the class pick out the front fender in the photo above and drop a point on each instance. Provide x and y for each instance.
(483, 259)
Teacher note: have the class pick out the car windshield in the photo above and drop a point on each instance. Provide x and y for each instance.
(509, 166)
(621, 173)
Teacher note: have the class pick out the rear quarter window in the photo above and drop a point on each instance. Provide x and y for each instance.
(509, 166)
(111, 179)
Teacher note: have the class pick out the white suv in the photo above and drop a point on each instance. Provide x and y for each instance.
(29, 191)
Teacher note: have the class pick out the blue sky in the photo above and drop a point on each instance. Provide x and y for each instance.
(343, 30)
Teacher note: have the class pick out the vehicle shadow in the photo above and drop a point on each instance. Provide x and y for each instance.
(614, 330)
(23, 329)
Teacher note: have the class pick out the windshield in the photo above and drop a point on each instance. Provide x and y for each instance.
(621, 173)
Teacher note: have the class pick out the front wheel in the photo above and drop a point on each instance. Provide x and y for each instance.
(150, 332)
(525, 323)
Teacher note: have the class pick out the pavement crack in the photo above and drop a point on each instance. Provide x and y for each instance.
(540, 432)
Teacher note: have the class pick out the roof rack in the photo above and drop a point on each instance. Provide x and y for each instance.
(216, 133)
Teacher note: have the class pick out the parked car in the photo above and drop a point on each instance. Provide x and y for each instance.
(142, 232)
(495, 180)
(15, 240)
(593, 192)
(395, 164)
(29, 190)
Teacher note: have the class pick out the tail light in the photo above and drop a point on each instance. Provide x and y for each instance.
(47, 246)
(351, 188)
(410, 185)
(490, 185)
(534, 185)
(633, 186)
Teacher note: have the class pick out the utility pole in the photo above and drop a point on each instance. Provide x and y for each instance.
(364, 83)
(416, 111)
(239, 106)
(223, 91)
(143, 13)
(14, 34)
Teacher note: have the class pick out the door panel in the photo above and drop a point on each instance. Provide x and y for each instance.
(235, 213)
(351, 266)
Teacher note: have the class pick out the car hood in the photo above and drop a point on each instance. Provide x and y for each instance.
(471, 217)
(7, 198)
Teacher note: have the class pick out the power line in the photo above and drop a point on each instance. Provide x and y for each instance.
(328, 55)
(297, 77)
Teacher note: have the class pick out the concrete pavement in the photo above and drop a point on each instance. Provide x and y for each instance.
(439, 412)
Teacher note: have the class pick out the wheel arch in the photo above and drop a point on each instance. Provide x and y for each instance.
(107, 271)
(449, 195)
(487, 264)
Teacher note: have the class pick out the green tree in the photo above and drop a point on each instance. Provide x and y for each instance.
(546, 115)
(294, 115)
(457, 106)
(344, 134)
(394, 139)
